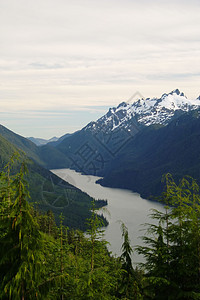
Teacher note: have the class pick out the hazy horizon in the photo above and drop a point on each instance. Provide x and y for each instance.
(64, 63)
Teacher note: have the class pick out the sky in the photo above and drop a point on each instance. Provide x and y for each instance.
(64, 63)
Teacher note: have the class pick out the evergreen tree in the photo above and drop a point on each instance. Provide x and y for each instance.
(129, 287)
(20, 241)
(172, 253)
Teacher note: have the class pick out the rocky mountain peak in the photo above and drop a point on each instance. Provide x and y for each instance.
(145, 112)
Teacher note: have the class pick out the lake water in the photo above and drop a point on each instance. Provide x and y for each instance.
(123, 205)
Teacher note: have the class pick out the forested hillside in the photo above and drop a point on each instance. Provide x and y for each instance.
(133, 145)
(41, 261)
(46, 156)
(155, 151)
(48, 192)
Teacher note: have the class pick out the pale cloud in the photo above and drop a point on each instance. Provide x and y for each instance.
(63, 55)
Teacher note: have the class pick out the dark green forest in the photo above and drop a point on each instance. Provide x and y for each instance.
(39, 260)
(47, 191)
(154, 151)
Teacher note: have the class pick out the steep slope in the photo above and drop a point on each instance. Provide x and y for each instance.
(6, 151)
(145, 112)
(21, 143)
(156, 150)
(49, 192)
(46, 156)
(91, 149)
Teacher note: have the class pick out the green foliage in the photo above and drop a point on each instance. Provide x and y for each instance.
(126, 251)
(47, 191)
(39, 260)
(173, 253)
(45, 156)
(130, 278)
(20, 245)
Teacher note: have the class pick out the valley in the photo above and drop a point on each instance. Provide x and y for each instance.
(99, 150)
(123, 206)
(134, 144)
(131, 147)
(119, 162)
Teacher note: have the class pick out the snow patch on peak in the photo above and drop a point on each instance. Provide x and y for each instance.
(145, 112)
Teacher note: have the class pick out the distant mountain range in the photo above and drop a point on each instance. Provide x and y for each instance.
(40, 142)
(54, 140)
(131, 146)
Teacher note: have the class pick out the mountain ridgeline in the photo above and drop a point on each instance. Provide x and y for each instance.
(155, 151)
(131, 147)
(47, 191)
(134, 144)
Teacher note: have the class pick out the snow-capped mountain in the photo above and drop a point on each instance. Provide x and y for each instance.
(145, 112)
(93, 149)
